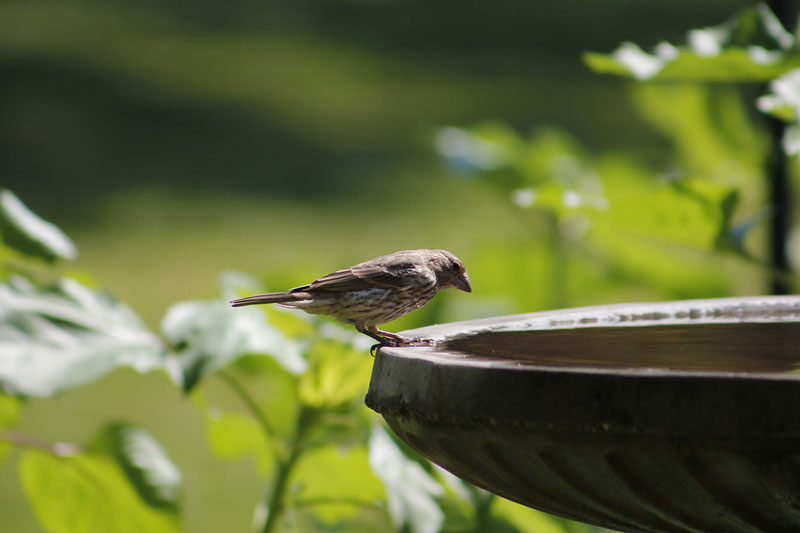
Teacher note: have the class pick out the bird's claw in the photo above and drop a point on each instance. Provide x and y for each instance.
(401, 342)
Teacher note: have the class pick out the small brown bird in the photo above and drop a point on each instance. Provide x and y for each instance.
(376, 291)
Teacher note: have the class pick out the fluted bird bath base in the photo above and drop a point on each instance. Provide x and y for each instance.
(669, 417)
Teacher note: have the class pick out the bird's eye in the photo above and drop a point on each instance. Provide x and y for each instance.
(455, 266)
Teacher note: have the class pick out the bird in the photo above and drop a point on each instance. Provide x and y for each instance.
(374, 292)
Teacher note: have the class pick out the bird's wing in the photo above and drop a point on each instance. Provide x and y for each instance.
(367, 275)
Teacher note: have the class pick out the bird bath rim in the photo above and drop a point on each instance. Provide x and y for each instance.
(631, 449)
(689, 313)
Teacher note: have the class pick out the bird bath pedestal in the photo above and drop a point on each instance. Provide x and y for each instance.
(667, 417)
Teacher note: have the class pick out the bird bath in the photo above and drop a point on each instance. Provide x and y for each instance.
(668, 417)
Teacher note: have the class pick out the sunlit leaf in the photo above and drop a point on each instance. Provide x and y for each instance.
(91, 492)
(144, 461)
(337, 484)
(210, 335)
(65, 336)
(29, 234)
(233, 436)
(752, 46)
(339, 372)
(710, 130)
(411, 492)
(271, 387)
(688, 212)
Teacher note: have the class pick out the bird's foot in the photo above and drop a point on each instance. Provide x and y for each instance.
(398, 342)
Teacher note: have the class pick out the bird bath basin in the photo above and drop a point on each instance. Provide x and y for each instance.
(668, 417)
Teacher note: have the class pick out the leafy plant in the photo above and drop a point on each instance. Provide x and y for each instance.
(327, 462)
(610, 221)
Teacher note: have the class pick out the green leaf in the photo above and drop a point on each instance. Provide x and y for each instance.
(66, 336)
(26, 232)
(411, 492)
(336, 484)
(752, 46)
(93, 491)
(711, 130)
(668, 64)
(687, 212)
(144, 461)
(210, 335)
(271, 387)
(339, 372)
(233, 436)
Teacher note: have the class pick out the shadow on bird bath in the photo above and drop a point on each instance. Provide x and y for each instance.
(678, 416)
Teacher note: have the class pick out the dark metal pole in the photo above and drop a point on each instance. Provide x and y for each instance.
(780, 202)
(780, 192)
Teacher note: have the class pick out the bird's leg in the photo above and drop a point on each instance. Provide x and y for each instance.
(387, 338)
(374, 334)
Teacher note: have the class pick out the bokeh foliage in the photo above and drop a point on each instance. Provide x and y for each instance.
(326, 462)
(597, 227)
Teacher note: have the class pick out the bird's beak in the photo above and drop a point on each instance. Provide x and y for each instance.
(462, 283)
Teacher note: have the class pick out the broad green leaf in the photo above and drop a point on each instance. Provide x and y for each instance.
(667, 64)
(233, 436)
(338, 373)
(210, 335)
(752, 46)
(145, 463)
(711, 131)
(336, 484)
(687, 212)
(10, 408)
(87, 493)
(66, 336)
(661, 233)
(24, 231)
(270, 386)
(411, 492)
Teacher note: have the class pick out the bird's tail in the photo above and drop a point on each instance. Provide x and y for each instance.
(271, 298)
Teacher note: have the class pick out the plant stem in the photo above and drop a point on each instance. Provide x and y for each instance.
(249, 402)
(558, 265)
(21, 440)
(276, 495)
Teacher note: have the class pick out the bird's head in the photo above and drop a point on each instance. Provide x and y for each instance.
(450, 271)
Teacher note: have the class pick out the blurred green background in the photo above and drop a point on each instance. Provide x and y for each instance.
(174, 140)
